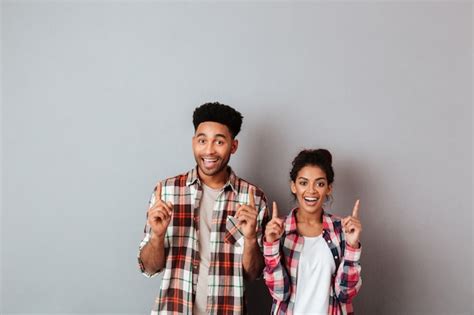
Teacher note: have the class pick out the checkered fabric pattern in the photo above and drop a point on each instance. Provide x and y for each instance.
(281, 267)
(226, 282)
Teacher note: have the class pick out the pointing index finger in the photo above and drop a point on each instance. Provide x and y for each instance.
(158, 192)
(251, 197)
(275, 210)
(355, 211)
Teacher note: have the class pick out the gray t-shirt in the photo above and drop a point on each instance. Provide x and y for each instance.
(206, 207)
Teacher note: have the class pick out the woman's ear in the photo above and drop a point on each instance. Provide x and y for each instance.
(293, 187)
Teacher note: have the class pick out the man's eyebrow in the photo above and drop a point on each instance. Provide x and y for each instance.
(219, 135)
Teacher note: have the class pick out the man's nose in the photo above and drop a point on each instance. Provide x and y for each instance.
(210, 148)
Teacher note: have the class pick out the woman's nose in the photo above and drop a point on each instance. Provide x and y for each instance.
(312, 188)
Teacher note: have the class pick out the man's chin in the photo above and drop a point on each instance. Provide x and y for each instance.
(207, 171)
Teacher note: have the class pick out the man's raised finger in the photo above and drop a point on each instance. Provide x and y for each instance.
(251, 197)
(158, 192)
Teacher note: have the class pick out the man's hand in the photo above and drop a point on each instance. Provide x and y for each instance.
(159, 215)
(352, 227)
(274, 229)
(247, 216)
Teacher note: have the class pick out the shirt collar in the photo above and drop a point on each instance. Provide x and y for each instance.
(193, 178)
(291, 227)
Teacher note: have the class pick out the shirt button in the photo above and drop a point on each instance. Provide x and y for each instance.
(335, 257)
(329, 241)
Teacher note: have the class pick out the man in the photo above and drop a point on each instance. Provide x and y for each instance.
(204, 227)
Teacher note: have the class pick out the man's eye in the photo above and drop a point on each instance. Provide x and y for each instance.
(201, 141)
(219, 142)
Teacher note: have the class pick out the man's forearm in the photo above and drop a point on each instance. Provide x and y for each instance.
(152, 254)
(252, 260)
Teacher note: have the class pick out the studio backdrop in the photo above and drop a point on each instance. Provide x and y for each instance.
(97, 102)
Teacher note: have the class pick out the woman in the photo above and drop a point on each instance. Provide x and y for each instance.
(312, 257)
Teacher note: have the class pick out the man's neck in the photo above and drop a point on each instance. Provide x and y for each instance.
(215, 181)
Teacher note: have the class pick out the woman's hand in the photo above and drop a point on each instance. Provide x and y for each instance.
(352, 227)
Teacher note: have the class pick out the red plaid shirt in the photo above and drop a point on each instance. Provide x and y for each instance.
(226, 282)
(281, 267)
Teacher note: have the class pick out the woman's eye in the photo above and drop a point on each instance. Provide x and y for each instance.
(303, 183)
(322, 184)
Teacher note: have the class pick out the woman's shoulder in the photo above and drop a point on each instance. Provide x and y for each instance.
(290, 221)
(332, 222)
(331, 217)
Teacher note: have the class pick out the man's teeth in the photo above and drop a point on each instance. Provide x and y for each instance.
(210, 160)
(311, 199)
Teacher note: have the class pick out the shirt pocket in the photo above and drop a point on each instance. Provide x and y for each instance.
(233, 235)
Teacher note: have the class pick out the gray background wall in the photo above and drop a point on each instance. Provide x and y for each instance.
(97, 103)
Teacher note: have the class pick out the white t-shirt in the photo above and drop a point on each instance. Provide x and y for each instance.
(315, 268)
(206, 207)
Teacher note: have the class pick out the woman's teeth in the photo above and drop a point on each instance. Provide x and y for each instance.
(309, 199)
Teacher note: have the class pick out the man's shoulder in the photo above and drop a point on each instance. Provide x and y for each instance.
(243, 186)
(179, 180)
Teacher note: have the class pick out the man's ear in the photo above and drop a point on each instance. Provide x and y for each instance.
(235, 145)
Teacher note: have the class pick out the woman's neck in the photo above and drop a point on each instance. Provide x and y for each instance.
(309, 224)
(309, 218)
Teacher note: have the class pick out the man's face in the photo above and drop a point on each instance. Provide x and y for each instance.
(212, 147)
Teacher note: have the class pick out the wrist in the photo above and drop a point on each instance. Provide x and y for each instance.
(156, 238)
(250, 239)
(354, 245)
(267, 239)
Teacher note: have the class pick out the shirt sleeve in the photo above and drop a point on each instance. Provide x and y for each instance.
(276, 276)
(348, 280)
(262, 220)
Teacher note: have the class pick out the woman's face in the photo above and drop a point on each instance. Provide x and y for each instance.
(311, 188)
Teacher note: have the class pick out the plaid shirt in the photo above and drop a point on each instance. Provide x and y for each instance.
(281, 267)
(226, 282)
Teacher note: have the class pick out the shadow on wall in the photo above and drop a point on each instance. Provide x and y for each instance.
(259, 300)
(355, 179)
(261, 164)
